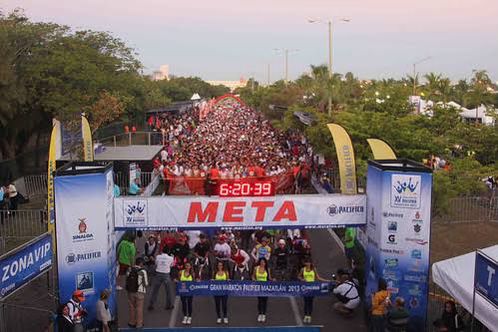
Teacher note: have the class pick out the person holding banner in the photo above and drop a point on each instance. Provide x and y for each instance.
(261, 273)
(187, 275)
(309, 274)
(221, 301)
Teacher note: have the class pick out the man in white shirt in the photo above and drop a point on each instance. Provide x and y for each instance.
(164, 262)
(348, 295)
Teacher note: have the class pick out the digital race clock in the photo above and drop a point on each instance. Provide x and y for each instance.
(246, 187)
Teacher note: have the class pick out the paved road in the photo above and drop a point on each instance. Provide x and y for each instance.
(242, 311)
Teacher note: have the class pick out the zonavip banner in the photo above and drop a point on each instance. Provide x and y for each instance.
(290, 211)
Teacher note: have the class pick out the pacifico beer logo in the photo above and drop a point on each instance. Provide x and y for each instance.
(333, 210)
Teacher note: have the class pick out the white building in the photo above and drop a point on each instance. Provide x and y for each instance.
(161, 74)
(468, 115)
(232, 85)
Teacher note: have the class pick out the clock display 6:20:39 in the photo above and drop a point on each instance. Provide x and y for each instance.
(234, 189)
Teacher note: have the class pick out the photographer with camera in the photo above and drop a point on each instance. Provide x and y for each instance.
(346, 292)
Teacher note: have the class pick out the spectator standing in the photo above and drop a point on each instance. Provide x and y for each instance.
(349, 243)
(126, 255)
(136, 285)
(103, 314)
(13, 197)
(164, 262)
(135, 188)
(450, 319)
(64, 321)
(380, 303)
(221, 301)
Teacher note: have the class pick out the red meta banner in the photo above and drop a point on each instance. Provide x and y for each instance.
(197, 212)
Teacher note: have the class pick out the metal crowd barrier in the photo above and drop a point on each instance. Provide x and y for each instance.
(20, 226)
(469, 209)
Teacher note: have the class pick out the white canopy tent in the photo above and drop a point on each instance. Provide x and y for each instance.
(456, 276)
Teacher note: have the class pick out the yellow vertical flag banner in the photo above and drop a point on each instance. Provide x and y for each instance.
(380, 149)
(87, 139)
(345, 157)
(50, 180)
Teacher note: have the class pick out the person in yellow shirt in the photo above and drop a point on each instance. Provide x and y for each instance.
(380, 303)
(261, 273)
(220, 301)
(308, 274)
(186, 275)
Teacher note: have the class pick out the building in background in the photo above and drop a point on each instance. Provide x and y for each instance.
(161, 74)
(232, 85)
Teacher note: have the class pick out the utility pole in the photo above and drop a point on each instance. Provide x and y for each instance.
(331, 74)
(330, 67)
(286, 66)
(286, 61)
(268, 74)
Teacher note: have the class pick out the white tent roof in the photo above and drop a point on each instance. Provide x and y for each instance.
(456, 276)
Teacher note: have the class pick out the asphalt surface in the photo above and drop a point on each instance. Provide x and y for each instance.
(242, 311)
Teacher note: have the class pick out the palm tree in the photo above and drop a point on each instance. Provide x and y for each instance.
(432, 85)
(445, 88)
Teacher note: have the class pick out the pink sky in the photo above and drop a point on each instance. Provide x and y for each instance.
(226, 39)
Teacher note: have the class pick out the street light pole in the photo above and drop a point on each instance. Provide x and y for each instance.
(286, 62)
(330, 72)
(330, 68)
(415, 73)
(268, 74)
(286, 66)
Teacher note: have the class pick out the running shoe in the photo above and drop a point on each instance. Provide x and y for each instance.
(225, 320)
(218, 321)
(185, 319)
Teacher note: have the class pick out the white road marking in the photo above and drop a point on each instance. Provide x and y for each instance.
(174, 312)
(295, 310)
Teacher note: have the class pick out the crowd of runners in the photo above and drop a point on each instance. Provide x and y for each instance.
(232, 142)
(166, 257)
